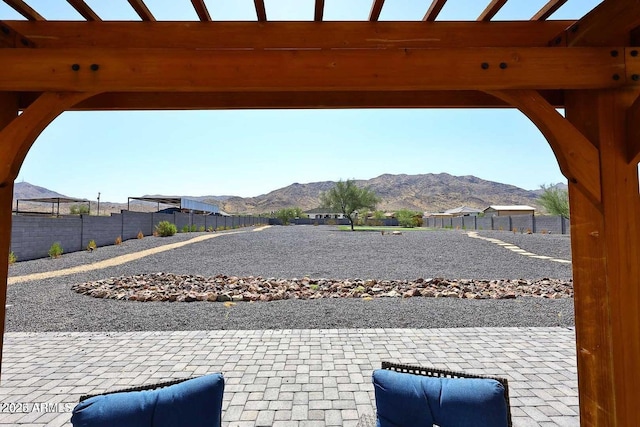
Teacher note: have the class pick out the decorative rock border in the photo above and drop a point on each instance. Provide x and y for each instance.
(187, 288)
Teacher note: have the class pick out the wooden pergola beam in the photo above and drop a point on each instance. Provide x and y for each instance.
(288, 35)
(201, 9)
(83, 9)
(11, 38)
(491, 10)
(318, 12)
(297, 100)
(376, 8)
(261, 11)
(434, 10)
(548, 9)
(610, 23)
(25, 10)
(194, 70)
(142, 10)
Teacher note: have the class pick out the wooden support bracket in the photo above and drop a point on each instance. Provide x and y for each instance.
(18, 136)
(9, 37)
(577, 156)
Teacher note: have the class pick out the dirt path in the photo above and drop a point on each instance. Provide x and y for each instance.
(122, 259)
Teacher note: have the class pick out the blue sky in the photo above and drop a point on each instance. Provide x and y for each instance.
(248, 153)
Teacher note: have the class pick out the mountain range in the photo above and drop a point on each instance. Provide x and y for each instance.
(425, 192)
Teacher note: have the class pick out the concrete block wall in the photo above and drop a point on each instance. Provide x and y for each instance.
(103, 229)
(31, 237)
(522, 223)
(551, 224)
(484, 223)
(135, 222)
(469, 222)
(502, 223)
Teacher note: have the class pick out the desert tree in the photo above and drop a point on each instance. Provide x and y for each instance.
(554, 200)
(347, 198)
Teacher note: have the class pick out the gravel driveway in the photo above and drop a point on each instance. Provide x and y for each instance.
(295, 251)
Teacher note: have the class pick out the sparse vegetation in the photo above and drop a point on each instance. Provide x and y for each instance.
(12, 258)
(408, 219)
(346, 197)
(118, 240)
(555, 200)
(79, 209)
(166, 229)
(55, 251)
(287, 214)
(140, 235)
(92, 245)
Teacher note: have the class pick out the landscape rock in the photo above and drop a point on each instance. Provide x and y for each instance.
(188, 288)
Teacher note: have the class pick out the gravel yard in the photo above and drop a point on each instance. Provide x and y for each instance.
(296, 251)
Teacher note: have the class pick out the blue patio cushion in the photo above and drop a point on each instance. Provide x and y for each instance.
(194, 403)
(407, 400)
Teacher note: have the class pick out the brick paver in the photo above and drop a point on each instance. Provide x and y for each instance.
(284, 377)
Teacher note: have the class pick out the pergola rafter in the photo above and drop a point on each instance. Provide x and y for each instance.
(590, 67)
(83, 9)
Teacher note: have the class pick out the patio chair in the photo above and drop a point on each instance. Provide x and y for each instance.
(195, 402)
(411, 395)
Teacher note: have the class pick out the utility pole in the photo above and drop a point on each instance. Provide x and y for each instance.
(98, 203)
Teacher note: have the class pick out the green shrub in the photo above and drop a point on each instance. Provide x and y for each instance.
(210, 229)
(201, 229)
(12, 258)
(55, 250)
(166, 229)
(185, 229)
(193, 228)
(92, 245)
(79, 209)
(407, 218)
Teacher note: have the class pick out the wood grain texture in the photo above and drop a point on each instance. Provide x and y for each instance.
(8, 113)
(288, 35)
(610, 23)
(608, 287)
(189, 70)
(577, 156)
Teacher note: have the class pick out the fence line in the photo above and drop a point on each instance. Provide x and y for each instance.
(521, 223)
(32, 236)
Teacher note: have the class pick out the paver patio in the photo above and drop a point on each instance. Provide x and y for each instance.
(284, 377)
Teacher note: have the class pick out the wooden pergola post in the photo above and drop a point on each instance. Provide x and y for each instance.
(605, 241)
(8, 112)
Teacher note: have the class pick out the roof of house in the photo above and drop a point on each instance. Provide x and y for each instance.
(510, 208)
(462, 209)
(322, 211)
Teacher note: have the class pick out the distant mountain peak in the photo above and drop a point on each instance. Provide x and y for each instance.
(25, 190)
